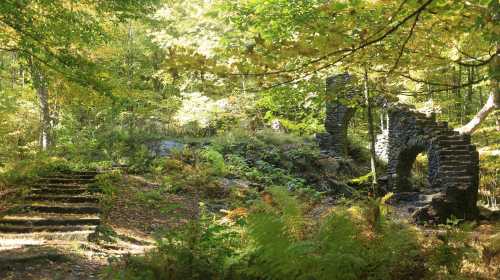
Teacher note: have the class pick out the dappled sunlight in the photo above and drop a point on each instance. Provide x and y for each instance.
(254, 139)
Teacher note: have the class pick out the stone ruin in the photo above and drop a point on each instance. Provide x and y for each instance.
(453, 171)
(338, 114)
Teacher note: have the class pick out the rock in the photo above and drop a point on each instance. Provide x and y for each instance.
(335, 188)
(489, 214)
(277, 126)
(228, 183)
(165, 148)
(328, 165)
(453, 160)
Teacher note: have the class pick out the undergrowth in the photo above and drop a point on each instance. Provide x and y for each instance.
(276, 239)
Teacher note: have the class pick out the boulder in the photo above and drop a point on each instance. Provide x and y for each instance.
(165, 147)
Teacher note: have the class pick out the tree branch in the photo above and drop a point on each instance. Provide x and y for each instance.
(483, 62)
(448, 86)
(403, 46)
(348, 51)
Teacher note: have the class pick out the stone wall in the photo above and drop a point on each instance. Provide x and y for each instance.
(453, 161)
(382, 145)
(339, 89)
(453, 164)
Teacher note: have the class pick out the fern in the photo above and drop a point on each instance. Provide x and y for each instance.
(216, 160)
(290, 246)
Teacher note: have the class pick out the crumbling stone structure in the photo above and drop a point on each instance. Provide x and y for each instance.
(340, 89)
(453, 171)
(453, 165)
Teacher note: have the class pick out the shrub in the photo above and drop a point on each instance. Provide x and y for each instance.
(24, 171)
(450, 250)
(291, 246)
(202, 249)
(108, 184)
(279, 242)
(215, 159)
(191, 171)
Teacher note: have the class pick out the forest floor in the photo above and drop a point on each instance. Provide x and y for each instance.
(127, 227)
(129, 224)
(135, 210)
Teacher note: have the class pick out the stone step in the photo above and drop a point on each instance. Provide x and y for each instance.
(58, 186)
(454, 173)
(454, 162)
(48, 219)
(19, 239)
(449, 136)
(73, 176)
(63, 198)
(64, 208)
(464, 168)
(453, 142)
(459, 148)
(29, 229)
(440, 136)
(87, 172)
(426, 123)
(59, 180)
(427, 198)
(50, 222)
(72, 191)
(454, 152)
(465, 158)
(448, 132)
(454, 189)
(59, 207)
(420, 203)
(457, 179)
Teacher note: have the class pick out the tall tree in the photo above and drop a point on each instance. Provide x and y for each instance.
(55, 37)
(493, 102)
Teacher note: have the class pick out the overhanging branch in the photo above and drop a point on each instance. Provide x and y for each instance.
(345, 52)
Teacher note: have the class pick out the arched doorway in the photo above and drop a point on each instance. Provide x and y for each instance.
(452, 165)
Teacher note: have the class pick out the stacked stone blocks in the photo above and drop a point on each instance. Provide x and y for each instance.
(453, 164)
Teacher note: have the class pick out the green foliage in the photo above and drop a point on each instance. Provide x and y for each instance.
(215, 159)
(489, 188)
(188, 171)
(25, 171)
(278, 241)
(268, 158)
(299, 111)
(362, 180)
(446, 258)
(337, 248)
(201, 249)
(108, 183)
(122, 75)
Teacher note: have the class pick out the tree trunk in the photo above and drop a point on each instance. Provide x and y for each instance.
(458, 98)
(470, 91)
(490, 105)
(481, 100)
(41, 87)
(493, 102)
(371, 133)
(498, 123)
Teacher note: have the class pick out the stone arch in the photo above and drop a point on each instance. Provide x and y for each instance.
(453, 161)
(405, 162)
(453, 164)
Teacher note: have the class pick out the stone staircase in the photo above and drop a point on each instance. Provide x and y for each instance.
(457, 175)
(59, 207)
(453, 167)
